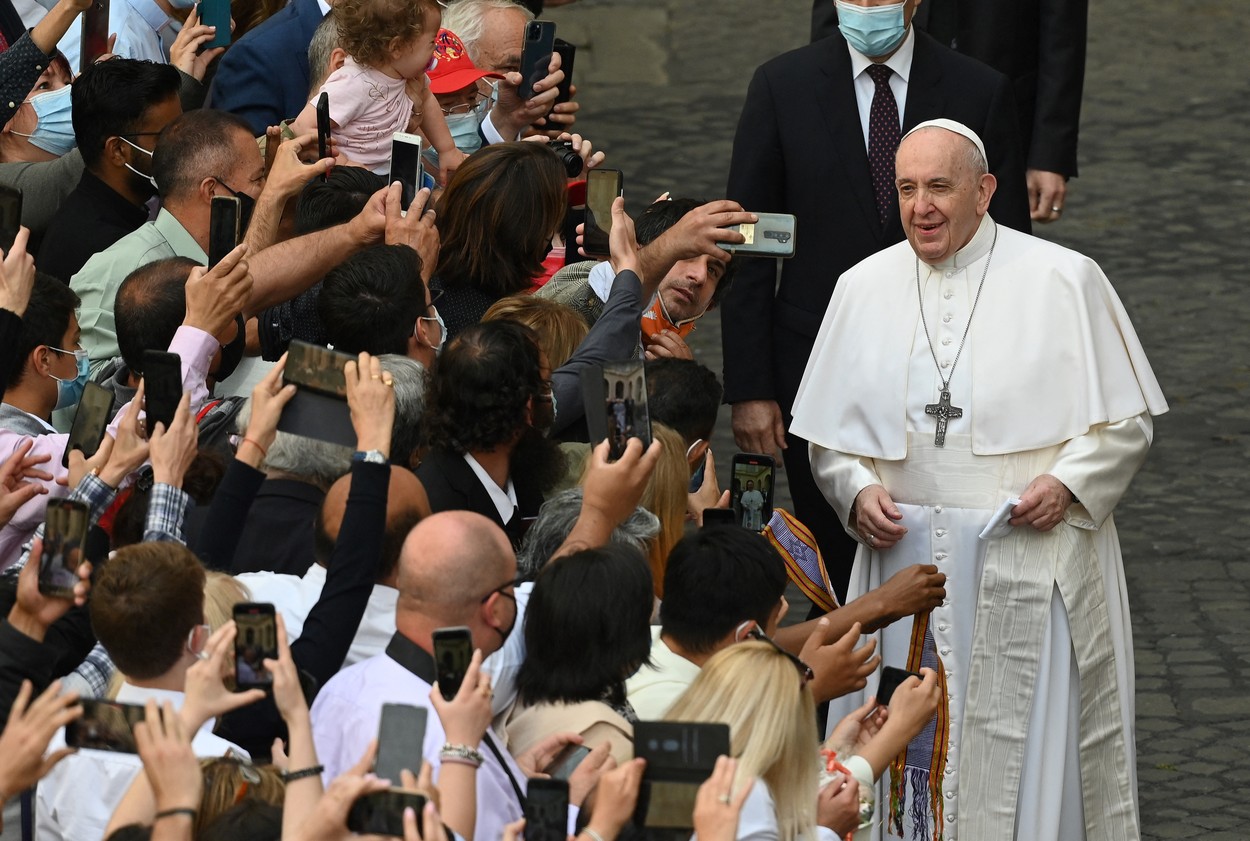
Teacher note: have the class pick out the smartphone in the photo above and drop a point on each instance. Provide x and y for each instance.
(406, 166)
(540, 36)
(719, 517)
(95, 410)
(223, 228)
(568, 52)
(752, 489)
(255, 642)
(162, 387)
(891, 679)
(680, 757)
(566, 762)
(95, 33)
(10, 215)
(625, 405)
(771, 236)
(382, 812)
(319, 408)
(401, 741)
(323, 129)
(453, 649)
(317, 368)
(105, 725)
(64, 539)
(602, 188)
(216, 13)
(546, 810)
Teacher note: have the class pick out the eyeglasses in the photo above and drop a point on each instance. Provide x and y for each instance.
(465, 107)
(805, 671)
(500, 590)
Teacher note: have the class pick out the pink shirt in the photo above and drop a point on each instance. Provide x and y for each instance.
(367, 106)
(196, 349)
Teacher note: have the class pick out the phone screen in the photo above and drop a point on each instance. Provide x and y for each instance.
(680, 757)
(382, 812)
(162, 387)
(625, 391)
(105, 725)
(891, 679)
(453, 650)
(317, 368)
(90, 421)
(540, 36)
(64, 537)
(323, 129)
(751, 490)
(566, 761)
(401, 741)
(546, 810)
(602, 188)
(406, 166)
(255, 642)
(223, 228)
(10, 215)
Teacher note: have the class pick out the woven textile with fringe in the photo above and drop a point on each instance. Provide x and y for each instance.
(922, 765)
(804, 565)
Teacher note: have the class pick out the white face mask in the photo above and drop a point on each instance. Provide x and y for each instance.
(147, 178)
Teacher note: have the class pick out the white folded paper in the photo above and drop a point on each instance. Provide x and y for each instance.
(999, 525)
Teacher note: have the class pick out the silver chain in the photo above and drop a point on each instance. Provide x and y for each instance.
(920, 297)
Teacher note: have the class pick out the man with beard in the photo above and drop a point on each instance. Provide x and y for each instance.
(489, 409)
(119, 107)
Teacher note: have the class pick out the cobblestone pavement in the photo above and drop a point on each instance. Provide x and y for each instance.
(1161, 205)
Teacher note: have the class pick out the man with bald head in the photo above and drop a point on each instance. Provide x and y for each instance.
(992, 405)
(456, 568)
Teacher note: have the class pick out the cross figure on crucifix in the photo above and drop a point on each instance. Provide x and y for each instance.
(943, 411)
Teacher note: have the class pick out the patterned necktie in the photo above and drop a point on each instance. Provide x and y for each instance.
(883, 137)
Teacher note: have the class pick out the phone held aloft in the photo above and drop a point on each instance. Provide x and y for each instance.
(255, 641)
(771, 236)
(453, 651)
(64, 542)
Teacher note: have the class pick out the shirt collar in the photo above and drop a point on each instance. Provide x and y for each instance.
(324, 7)
(154, 16)
(976, 248)
(504, 498)
(900, 62)
(183, 244)
(412, 657)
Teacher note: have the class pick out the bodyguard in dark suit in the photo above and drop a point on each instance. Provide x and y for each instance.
(801, 148)
(264, 78)
(1040, 46)
(451, 485)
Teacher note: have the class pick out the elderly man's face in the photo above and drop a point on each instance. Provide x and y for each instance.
(499, 48)
(940, 197)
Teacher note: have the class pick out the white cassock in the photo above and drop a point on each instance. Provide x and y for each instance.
(752, 503)
(1033, 639)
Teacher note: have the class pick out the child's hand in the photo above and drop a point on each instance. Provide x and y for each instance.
(449, 161)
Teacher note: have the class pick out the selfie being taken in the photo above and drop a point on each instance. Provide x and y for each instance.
(598, 420)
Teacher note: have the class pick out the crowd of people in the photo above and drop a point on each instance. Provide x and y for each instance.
(384, 436)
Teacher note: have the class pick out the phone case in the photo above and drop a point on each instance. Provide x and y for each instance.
(771, 236)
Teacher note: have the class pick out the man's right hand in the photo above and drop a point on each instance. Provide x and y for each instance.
(758, 427)
(216, 296)
(697, 233)
(876, 516)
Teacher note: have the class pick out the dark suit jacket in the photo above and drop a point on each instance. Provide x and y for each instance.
(451, 485)
(799, 149)
(264, 77)
(1038, 44)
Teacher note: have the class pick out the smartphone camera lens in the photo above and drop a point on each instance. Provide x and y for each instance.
(571, 161)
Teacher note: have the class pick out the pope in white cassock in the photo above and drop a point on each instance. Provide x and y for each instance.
(966, 367)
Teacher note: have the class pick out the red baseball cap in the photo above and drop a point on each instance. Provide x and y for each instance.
(454, 69)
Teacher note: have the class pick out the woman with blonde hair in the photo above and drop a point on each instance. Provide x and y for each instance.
(559, 328)
(666, 498)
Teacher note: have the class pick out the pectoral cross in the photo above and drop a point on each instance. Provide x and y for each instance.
(943, 411)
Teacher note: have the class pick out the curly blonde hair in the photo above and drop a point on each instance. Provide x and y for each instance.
(369, 30)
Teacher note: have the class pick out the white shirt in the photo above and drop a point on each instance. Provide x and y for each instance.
(504, 498)
(346, 715)
(653, 689)
(77, 798)
(294, 597)
(758, 821)
(504, 665)
(900, 63)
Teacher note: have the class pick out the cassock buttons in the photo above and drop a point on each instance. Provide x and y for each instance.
(946, 318)
(941, 532)
(946, 363)
(950, 274)
(937, 509)
(946, 341)
(948, 294)
(945, 651)
(943, 627)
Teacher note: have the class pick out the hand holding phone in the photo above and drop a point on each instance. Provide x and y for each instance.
(105, 725)
(91, 420)
(64, 541)
(602, 188)
(255, 641)
(751, 490)
(453, 652)
(540, 36)
(162, 387)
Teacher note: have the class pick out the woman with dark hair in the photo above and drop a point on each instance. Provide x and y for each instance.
(586, 631)
(496, 221)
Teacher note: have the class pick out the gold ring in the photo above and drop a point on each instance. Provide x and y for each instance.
(376, 376)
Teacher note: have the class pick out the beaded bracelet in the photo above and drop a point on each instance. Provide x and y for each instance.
(461, 753)
(292, 776)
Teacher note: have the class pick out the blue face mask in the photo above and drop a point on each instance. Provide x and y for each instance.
(69, 392)
(873, 31)
(54, 126)
(464, 131)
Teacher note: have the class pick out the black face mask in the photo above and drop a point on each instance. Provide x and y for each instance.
(232, 354)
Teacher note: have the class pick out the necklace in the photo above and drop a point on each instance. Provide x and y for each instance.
(943, 410)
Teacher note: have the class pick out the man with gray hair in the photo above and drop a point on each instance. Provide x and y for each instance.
(977, 397)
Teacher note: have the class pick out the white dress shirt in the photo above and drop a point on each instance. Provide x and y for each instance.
(78, 797)
(346, 715)
(654, 688)
(900, 63)
(143, 30)
(504, 498)
(504, 665)
(294, 597)
(758, 821)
